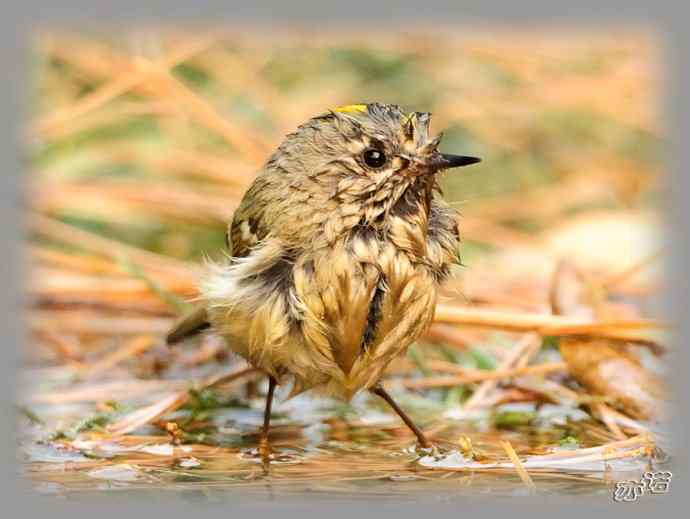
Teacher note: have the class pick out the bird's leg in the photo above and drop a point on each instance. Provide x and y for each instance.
(264, 447)
(378, 390)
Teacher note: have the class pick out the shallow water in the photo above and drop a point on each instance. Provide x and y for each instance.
(322, 449)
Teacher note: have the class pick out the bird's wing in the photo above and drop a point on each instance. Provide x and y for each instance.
(248, 226)
(243, 233)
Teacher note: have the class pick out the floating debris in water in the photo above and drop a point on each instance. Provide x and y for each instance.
(626, 455)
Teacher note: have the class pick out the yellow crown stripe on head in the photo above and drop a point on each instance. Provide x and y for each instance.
(351, 108)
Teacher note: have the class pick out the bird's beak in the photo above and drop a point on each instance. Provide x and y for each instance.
(447, 161)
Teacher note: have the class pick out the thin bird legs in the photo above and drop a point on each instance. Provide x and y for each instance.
(378, 390)
(264, 447)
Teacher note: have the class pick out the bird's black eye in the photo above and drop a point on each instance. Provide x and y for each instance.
(374, 158)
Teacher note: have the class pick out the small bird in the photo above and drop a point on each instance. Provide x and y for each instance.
(337, 251)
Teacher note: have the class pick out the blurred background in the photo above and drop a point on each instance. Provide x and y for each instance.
(140, 145)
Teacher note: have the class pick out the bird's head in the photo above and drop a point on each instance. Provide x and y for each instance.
(381, 141)
(358, 160)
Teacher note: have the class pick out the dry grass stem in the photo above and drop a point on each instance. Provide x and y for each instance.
(519, 468)
(470, 378)
(644, 331)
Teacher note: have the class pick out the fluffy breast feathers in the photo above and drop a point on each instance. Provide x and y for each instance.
(333, 312)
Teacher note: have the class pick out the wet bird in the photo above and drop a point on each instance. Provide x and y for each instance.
(337, 251)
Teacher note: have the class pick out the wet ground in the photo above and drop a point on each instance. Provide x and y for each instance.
(322, 449)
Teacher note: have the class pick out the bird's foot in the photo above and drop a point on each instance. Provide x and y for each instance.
(264, 449)
(428, 449)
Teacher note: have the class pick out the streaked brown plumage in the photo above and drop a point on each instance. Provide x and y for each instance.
(337, 251)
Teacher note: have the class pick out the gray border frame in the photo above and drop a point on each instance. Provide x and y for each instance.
(18, 21)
